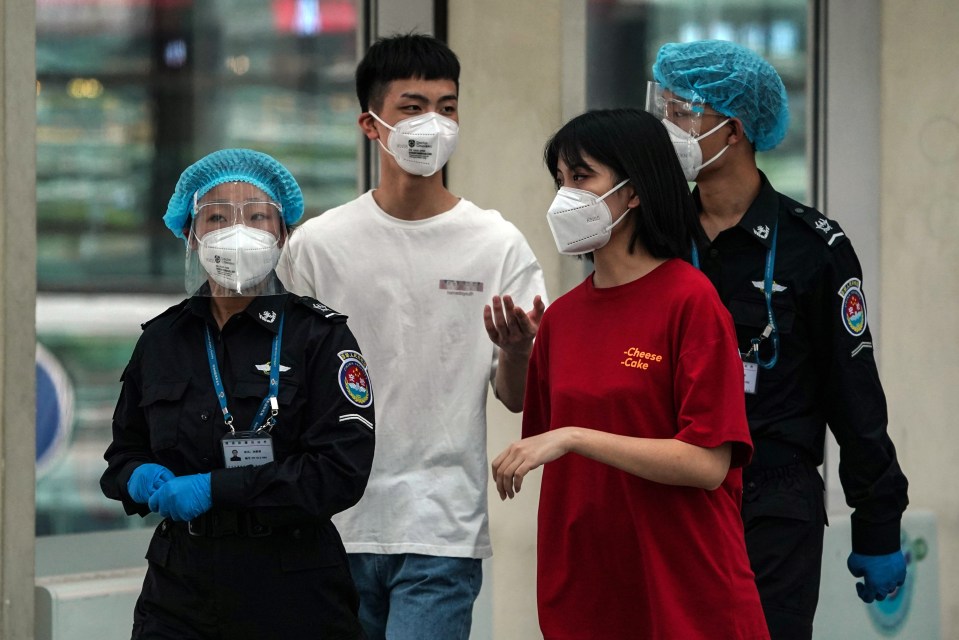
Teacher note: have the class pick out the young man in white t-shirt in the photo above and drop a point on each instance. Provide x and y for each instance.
(413, 266)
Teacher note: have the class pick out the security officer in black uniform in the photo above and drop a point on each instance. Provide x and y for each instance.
(246, 420)
(792, 282)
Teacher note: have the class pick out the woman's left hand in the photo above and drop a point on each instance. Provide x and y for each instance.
(521, 457)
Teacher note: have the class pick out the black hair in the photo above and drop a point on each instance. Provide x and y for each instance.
(634, 145)
(400, 57)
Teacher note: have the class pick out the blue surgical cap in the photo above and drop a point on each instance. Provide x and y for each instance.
(733, 80)
(233, 165)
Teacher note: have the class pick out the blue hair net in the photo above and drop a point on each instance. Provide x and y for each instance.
(733, 80)
(233, 165)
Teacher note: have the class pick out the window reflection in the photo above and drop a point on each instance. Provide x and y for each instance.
(129, 93)
(623, 37)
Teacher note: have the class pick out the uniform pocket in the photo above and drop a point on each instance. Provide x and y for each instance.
(310, 547)
(162, 404)
(779, 493)
(158, 552)
(750, 313)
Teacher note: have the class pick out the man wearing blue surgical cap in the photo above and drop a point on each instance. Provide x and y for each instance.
(245, 420)
(793, 284)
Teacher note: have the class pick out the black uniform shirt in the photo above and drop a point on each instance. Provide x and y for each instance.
(826, 372)
(168, 412)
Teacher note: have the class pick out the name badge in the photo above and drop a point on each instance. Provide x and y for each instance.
(751, 374)
(246, 449)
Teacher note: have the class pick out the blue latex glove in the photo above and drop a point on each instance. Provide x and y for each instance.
(183, 498)
(146, 479)
(883, 574)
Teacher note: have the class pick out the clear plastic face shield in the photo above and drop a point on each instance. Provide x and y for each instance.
(687, 115)
(236, 235)
(683, 120)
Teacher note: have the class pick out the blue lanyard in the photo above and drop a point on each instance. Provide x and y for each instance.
(771, 330)
(269, 404)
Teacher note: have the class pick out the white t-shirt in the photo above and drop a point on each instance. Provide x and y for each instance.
(414, 293)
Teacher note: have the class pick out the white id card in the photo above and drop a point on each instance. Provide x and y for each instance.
(247, 450)
(751, 371)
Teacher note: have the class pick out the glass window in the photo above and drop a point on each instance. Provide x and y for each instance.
(129, 93)
(623, 37)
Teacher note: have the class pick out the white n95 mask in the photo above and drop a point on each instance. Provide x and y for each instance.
(580, 220)
(422, 144)
(687, 148)
(238, 257)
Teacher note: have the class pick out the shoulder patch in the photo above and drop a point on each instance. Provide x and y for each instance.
(318, 307)
(824, 227)
(354, 380)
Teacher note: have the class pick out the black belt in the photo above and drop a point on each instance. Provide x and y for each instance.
(769, 453)
(216, 524)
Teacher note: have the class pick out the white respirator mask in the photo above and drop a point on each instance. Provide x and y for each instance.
(580, 220)
(423, 144)
(238, 257)
(687, 148)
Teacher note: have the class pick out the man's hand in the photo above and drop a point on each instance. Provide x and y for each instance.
(146, 479)
(183, 498)
(509, 327)
(883, 574)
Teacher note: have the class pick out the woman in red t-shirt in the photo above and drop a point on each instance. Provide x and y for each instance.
(634, 404)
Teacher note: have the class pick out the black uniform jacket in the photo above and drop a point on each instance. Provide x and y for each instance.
(168, 411)
(826, 372)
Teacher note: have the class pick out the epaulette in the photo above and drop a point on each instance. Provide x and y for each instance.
(177, 308)
(318, 307)
(824, 227)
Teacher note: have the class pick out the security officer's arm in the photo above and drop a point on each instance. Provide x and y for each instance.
(132, 476)
(874, 485)
(330, 473)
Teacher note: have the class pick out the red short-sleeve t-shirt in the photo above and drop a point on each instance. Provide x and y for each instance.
(620, 556)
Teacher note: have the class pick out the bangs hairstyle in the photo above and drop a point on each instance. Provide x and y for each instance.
(634, 145)
(402, 57)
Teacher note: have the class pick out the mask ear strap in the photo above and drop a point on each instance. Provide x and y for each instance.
(603, 197)
(378, 140)
(714, 129)
(714, 158)
(380, 120)
(621, 218)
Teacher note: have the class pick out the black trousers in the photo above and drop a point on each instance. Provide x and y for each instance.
(290, 582)
(784, 518)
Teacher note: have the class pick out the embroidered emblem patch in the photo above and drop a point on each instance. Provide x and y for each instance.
(354, 380)
(265, 368)
(853, 310)
(268, 316)
(777, 288)
(762, 232)
(823, 225)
